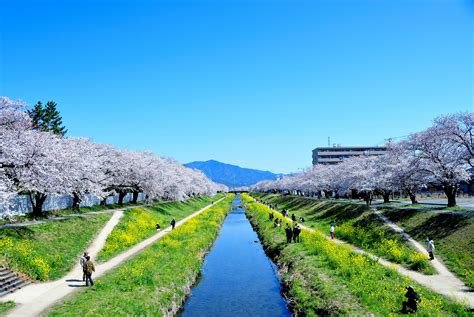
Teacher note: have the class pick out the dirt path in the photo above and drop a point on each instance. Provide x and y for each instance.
(445, 282)
(36, 298)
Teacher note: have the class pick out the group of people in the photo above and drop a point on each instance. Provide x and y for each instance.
(172, 223)
(87, 268)
(292, 234)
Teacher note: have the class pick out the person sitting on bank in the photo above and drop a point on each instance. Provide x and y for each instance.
(270, 215)
(276, 223)
(301, 219)
(289, 233)
(411, 304)
(158, 227)
(293, 217)
(173, 224)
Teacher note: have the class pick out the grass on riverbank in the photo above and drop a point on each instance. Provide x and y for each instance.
(343, 281)
(5, 307)
(139, 223)
(47, 251)
(453, 236)
(357, 225)
(156, 281)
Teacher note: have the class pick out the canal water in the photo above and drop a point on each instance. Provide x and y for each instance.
(237, 277)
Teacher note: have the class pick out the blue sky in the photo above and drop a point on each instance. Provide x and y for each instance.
(253, 83)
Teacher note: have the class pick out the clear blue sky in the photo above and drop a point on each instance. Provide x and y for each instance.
(253, 83)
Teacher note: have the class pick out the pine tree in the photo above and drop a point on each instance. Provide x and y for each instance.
(47, 118)
(36, 115)
(53, 119)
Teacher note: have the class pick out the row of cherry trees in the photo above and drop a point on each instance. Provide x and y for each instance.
(440, 156)
(40, 164)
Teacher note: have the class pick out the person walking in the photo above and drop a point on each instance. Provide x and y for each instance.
(289, 233)
(82, 262)
(173, 224)
(331, 230)
(90, 268)
(411, 304)
(430, 247)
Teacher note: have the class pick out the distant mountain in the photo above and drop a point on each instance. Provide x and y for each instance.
(231, 175)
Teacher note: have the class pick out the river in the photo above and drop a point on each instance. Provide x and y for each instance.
(238, 279)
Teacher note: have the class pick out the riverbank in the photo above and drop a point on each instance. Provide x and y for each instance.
(157, 281)
(356, 224)
(322, 277)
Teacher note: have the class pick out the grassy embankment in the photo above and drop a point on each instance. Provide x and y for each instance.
(139, 223)
(453, 236)
(5, 307)
(355, 224)
(322, 277)
(156, 281)
(48, 251)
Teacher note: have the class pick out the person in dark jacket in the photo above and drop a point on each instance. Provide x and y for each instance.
(296, 233)
(289, 233)
(293, 217)
(411, 304)
(89, 269)
(173, 223)
(158, 227)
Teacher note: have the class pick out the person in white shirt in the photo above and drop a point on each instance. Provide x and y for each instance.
(331, 231)
(430, 247)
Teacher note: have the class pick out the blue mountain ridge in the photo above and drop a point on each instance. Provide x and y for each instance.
(231, 175)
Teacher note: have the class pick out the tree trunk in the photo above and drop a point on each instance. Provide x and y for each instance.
(412, 197)
(386, 198)
(354, 194)
(76, 200)
(135, 197)
(37, 204)
(121, 197)
(450, 192)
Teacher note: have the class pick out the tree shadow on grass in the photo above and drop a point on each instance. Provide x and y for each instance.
(18, 233)
(440, 226)
(398, 215)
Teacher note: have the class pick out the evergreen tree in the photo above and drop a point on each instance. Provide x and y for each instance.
(47, 118)
(53, 119)
(36, 115)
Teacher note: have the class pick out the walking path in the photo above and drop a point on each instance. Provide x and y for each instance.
(36, 298)
(445, 282)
